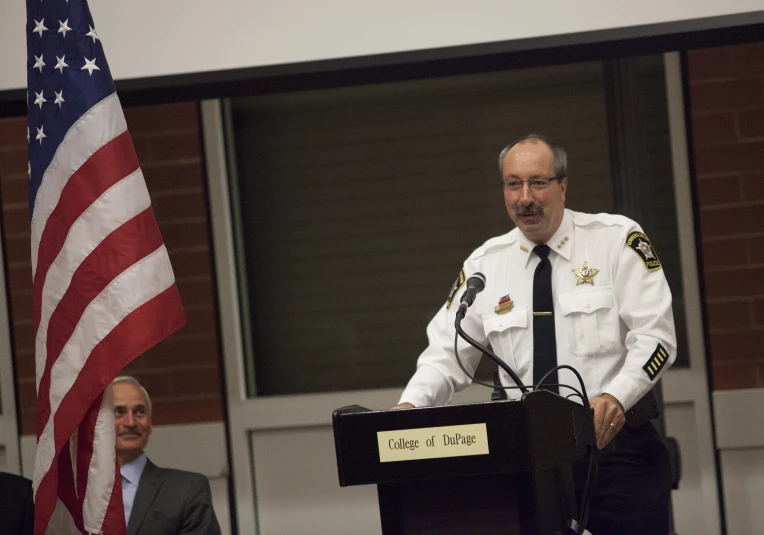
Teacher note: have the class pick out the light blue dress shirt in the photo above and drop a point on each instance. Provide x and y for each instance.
(131, 476)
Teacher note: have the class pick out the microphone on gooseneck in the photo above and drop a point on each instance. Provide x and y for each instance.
(475, 285)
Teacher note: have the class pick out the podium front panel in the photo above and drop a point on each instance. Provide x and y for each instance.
(358, 452)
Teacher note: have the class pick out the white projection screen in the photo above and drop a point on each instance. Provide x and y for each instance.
(151, 38)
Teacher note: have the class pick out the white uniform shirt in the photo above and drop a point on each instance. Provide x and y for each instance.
(618, 332)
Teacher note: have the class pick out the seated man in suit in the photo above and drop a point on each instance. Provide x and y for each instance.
(16, 505)
(158, 501)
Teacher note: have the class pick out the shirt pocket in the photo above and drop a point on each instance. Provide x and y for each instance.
(508, 336)
(590, 321)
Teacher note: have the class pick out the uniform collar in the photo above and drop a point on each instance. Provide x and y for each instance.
(559, 242)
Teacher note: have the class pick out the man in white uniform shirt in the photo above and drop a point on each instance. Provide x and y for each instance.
(610, 318)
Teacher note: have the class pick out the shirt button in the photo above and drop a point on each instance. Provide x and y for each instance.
(588, 305)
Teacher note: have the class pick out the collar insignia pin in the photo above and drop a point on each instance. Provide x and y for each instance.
(585, 274)
(562, 242)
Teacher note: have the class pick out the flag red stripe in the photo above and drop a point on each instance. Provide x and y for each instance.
(142, 328)
(107, 166)
(45, 498)
(66, 490)
(118, 251)
(114, 520)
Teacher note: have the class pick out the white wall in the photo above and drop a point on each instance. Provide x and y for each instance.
(689, 502)
(740, 439)
(185, 36)
(739, 435)
(297, 488)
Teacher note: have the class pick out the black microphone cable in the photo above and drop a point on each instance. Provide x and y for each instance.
(593, 471)
(503, 365)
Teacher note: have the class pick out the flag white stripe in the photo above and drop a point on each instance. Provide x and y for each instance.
(101, 471)
(61, 521)
(116, 206)
(135, 286)
(99, 125)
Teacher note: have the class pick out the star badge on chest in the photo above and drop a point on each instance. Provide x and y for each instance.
(585, 274)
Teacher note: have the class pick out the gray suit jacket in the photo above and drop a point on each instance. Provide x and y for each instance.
(172, 502)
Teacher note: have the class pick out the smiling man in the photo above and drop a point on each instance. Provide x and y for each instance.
(157, 501)
(565, 287)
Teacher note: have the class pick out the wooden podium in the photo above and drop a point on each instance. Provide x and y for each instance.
(494, 467)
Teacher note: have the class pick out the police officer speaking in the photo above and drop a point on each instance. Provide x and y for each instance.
(565, 287)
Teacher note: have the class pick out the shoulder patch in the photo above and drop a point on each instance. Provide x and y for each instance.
(460, 280)
(641, 245)
(656, 362)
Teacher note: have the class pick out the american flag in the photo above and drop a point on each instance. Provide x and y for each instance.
(104, 290)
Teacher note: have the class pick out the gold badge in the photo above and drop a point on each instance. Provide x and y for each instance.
(585, 274)
(505, 305)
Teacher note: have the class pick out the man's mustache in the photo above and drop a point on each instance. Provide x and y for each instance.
(531, 209)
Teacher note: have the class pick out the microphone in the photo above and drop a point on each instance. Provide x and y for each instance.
(475, 285)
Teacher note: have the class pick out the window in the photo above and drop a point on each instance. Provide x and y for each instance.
(358, 205)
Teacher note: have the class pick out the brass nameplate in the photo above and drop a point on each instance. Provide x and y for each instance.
(432, 442)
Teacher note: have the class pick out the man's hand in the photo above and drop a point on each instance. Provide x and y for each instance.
(403, 406)
(608, 418)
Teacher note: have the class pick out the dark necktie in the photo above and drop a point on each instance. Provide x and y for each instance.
(544, 342)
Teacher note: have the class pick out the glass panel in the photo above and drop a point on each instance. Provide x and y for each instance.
(642, 171)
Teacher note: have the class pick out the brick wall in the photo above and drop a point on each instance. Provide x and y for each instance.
(182, 372)
(727, 103)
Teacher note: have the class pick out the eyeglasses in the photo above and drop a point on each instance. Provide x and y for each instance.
(536, 184)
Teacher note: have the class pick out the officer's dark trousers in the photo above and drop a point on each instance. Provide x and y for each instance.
(633, 485)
